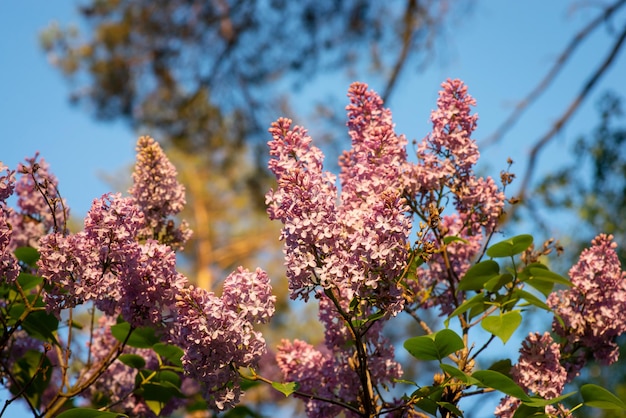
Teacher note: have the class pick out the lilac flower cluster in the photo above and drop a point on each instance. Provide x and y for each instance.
(446, 159)
(593, 310)
(352, 246)
(539, 371)
(41, 209)
(124, 262)
(158, 193)
(360, 244)
(218, 333)
(9, 268)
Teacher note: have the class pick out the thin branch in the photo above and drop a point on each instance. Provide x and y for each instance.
(582, 95)
(407, 41)
(551, 75)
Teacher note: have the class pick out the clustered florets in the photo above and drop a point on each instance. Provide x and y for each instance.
(158, 194)
(349, 249)
(124, 262)
(444, 170)
(9, 268)
(593, 310)
(219, 334)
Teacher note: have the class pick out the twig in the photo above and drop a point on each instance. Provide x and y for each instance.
(591, 82)
(551, 75)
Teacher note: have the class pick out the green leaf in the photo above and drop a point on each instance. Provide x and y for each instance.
(532, 299)
(42, 326)
(502, 326)
(548, 276)
(88, 413)
(32, 371)
(495, 283)
(478, 274)
(285, 388)
(500, 382)
(142, 337)
(510, 247)
(536, 401)
(169, 352)
(453, 238)
(430, 397)
(477, 300)
(29, 281)
(526, 411)
(435, 346)
(452, 408)
(458, 374)
(133, 360)
(27, 255)
(162, 392)
(502, 366)
(598, 397)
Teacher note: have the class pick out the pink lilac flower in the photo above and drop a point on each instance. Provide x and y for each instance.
(148, 290)
(9, 269)
(305, 202)
(158, 193)
(217, 334)
(448, 154)
(314, 371)
(36, 215)
(351, 246)
(86, 266)
(359, 244)
(538, 369)
(373, 210)
(593, 310)
(249, 294)
(7, 182)
(445, 164)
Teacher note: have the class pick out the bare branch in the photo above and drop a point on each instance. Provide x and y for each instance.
(543, 85)
(407, 41)
(582, 95)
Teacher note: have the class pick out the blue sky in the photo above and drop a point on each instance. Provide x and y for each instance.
(501, 50)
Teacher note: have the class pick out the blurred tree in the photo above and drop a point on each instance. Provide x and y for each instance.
(205, 77)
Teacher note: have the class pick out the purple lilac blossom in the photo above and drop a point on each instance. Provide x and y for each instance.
(148, 291)
(446, 158)
(7, 183)
(305, 201)
(538, 369)
(159, 194)
(593, 310)
(447, 155)
(9, 269)
(352, 247)
(313, 370)
(86, 266)
(36, 215)
(217, 334)
(361, 244)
